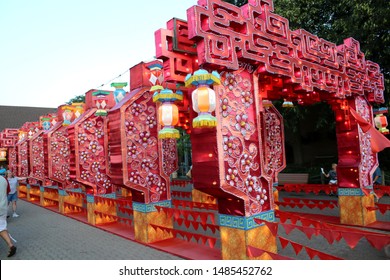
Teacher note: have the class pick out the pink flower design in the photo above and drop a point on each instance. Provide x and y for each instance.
(84, 175)
(226, 109)
(88, 125)
(95, 166)
(151, 121)
(144, 138)
(232, 177)
(135, 177)
(130, 128)
(136, 109)
(82, 137)
(99, 133)
(230, 81)
(94, 146)
(242, 125)
(246, 162)
(132, 151)
(83, 156)
(246, 98)
(230, 145)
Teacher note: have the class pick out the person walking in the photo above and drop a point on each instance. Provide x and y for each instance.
(13, 194)
(4, 186)
(332, 175)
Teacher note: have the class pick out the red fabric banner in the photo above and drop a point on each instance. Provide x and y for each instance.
(273, 227)
(254, 252)
(378, 141)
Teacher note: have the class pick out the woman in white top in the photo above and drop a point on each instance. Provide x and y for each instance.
(3, 216)
(13, 194)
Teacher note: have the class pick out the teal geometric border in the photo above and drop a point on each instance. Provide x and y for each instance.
(351, 191)
(51, 187)
(245, 223)
(28, 186)
(42, 189)
(107, 195)
(79, 190)
(90, 198)
(148, 208)
(62, 192)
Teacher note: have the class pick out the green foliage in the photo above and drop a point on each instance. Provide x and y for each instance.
(76, 99)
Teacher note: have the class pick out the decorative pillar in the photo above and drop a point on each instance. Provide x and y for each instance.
(356, 162)
(145, 215)
(91, 209)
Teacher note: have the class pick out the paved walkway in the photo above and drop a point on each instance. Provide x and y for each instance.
(42, 234)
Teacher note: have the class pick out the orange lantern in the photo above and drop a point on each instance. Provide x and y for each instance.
(203, 97)
(168, 113)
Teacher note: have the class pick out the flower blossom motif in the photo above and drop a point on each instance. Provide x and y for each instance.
(83, 156)
(152, 179)
(146, 164)
(144, 138)
(229, 144)
(84, 175)
(230, 81)
(64, 151)
(54, 145)
(246, 98)
(95, 166)
(106, 183)
(226, 109)
(262, 196)
(136, 109)
(88, 125)
(99, 176)
(151, 121)
(99, 133)
(82, 137)
(56, 159)
(130, 128)
(242, 124)
(246, 162)
(135, 177)
(132, 151)
(252, 184)
(94, 146)
(232, 177)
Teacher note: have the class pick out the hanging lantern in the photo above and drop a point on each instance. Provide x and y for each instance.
(21, 135)
(119, 92)
(3, 154)
(45, 122)
(78, 109)
(156, 76)
(203, 97)
(100, 98)
(67, 115)
(287, 104)
(381, 120)
(168, 113)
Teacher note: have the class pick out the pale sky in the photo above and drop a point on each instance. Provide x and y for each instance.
(53, 50)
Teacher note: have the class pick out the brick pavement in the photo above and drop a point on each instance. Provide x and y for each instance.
(42, 234)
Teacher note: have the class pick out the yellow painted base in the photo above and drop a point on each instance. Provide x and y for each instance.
(105, 208)
(34, 194)
(353, 210)
(198, 196)
(69, 204)
(234, 242)
(49, 198)
(145, 233)
(91, 213)
(22, 191)
(276, 199)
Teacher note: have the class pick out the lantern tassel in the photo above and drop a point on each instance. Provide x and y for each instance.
(168, 132)
(204, 121)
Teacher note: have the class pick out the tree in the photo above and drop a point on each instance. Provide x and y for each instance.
(77, 99)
